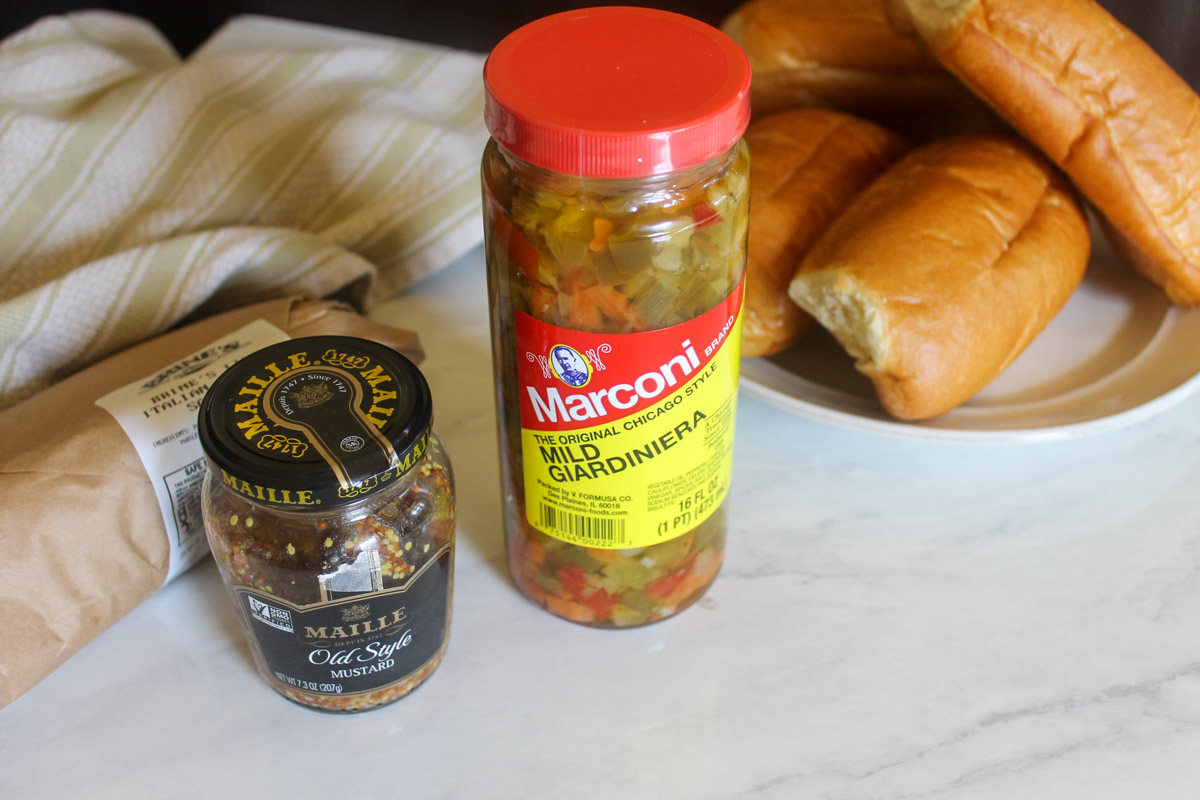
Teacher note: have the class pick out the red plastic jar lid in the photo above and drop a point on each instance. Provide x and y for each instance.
(617, 92)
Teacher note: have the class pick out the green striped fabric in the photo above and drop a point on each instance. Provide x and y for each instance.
(137, 189)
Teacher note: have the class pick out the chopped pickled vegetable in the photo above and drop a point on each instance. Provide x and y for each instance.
(704, 215)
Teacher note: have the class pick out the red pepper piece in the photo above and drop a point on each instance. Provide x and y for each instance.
(524, 255)
(572, 578)
(665, 585)
(602, 603)
(704, 214)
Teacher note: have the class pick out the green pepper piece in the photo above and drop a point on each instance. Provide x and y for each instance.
(548, 582)
(639, 601)
(668, 554)
(624, 617)
(708, 530)
(654, 303)
(579, 557)
(630, 257)
(568, 236)
(629, 572)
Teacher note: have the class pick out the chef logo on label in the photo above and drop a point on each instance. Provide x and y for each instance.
(275, 617)
(570, 367)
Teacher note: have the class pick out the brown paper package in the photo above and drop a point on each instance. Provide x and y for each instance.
(82, 540)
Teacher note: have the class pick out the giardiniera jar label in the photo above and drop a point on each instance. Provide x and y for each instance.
(628, 438)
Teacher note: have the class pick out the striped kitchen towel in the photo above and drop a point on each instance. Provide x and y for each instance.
(137, 189)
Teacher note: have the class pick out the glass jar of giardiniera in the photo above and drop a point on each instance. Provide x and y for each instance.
(329, 509)
(615, 241)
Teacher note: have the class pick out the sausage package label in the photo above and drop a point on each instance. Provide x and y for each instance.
(627, 438)
(80, 504)
(158, 414)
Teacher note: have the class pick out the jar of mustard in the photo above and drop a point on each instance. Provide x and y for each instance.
(329, 508)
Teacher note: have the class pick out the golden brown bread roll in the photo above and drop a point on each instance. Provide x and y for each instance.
(942, 271)
(807, 165)
(1099, 102)
(843, 54)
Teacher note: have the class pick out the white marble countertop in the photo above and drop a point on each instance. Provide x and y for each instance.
(895, 619)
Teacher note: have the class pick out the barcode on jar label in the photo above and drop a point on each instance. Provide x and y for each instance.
(582, 529)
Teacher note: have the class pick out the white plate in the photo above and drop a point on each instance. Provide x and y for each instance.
(1117, 353)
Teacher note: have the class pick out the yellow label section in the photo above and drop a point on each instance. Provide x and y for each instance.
(642, 479)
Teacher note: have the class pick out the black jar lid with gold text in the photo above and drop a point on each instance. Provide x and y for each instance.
(316, 422)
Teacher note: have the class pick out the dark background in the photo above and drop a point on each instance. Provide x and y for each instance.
(472, 25)
(1171, 26)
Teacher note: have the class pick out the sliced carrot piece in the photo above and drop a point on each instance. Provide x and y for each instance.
(703, 571)
(614, 305)
(541, 302)
(605, 556)
(533, 590)
(601, 228)
(569, 610)
(535, 552)
(584, 314)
